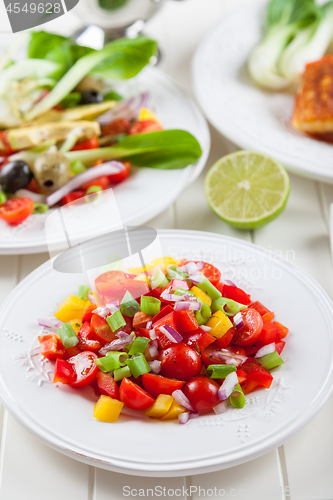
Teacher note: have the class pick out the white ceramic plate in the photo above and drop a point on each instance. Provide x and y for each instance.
(146, 192)
(63, 418)
(248, 116)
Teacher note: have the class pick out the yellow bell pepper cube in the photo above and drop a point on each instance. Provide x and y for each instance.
(72, 308)
(201, 295)
(76, 325)
(219, 324)
(107, 409)
(147, 114)
(140, 270)
(161, 406)
(174, 411)
(165, 261)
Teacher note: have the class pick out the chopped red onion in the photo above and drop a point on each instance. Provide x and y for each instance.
(102, 311)
(238, 320)
(155, 366)
(196, 278)
(225, 355)
(187, 306)
(129, 108)
(181, 269)
(171, 297)
(200, 265)
(194, 414)
(206, 328)
(115, 345)
(49, 322)
(183, 418)
(122, 335)
(152, 334)
(91, 298)
(149, 325)
(232, 361)
(182, 400)
(180, 284)
(108, 168)
(113, 306)
(221, 407)
(171, 333)
(230, 283)
(153, 351)
(191, 268)
(228, 386)
(267, 349)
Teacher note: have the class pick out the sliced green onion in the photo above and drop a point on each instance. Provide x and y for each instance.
(3, 197)
(181, 291)
(158, 279)
(40, 208)
(221, 371)
(116, 321)
(121, 357)
(230, 307)
(210, 289)
(271, 360)
(237, 398)
(138, 346)
(77, 167)
(138, 365)
(121, 373)
(67, 335)
(204, 314)
(150, 305)
(172, 273)
(129, 306)
(83, 292)
(107, 364)
(112, 95)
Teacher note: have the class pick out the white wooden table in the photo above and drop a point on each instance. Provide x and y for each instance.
(302, 468)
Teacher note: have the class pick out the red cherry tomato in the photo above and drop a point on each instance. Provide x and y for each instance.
(224, 341)
(157, 384)
(87, 315)
(16, 210)
(252, 328)
(145, 127)
(92, 143)
(122, 175)
(63, 372)
(87, 338)
(116, 127)
(210, 357)
(102, 182)
(73, 196)
(198, 339)
(84, 367)
(107, 385)
(101, 329)
(237, 294)
(202, 393)
(180, 361)
(51, 347)
(133, 396)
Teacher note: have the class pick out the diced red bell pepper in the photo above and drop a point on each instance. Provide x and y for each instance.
(198, 339)
(269, 333)
(88, 341)
(72, 351)
(236, 294)
(186, 321)
(157, 384)
(107, 385)
(163, 340)
(143, 332)
(92, 143)
(73, 196)
(122, 174)
(133, 396)
(279, 346)
(140, 319)
(258, 306)
(224, 341)
(282, 330)
(63, 372)
(256, 376)
(87, 315)
(268, 317)
(241, 375)
(163, 312)
(51, 347)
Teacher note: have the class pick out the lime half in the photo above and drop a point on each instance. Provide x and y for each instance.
(247, 189)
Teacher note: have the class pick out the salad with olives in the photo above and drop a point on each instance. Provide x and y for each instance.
(64, 130)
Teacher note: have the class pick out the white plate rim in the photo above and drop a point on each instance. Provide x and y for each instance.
(196, 465)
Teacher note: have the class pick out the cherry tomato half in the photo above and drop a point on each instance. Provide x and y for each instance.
(120, 176)
(252, 328)
(202, 393)
(180, 361)
(211, 272)
(157, 384)
(107, 385)
(16, 210)
(133, 396)
(92, 143)
(84, 367)
(101, 329)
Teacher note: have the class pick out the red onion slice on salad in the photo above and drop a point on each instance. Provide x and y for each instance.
(155, 366)
(183, 418)
(191, 268)
(102, 311)
(182, 400)
(49, 322)
(267, 349)
(238, 320)
(108, 168)
(152, 334)
(180, 284)
(171, 333)
(221, 407)
(196, 278)
(115, 345)
(129, 108)
(228, 386)
(230, 283)
(91, 298)
(153, 351)
(113, 306)
(187, 306)
(149, 325)
(171, 297)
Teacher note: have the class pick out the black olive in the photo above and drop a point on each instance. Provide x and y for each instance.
(15, 175)
(91, 97)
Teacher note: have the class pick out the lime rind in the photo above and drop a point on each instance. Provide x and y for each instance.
(247, 189)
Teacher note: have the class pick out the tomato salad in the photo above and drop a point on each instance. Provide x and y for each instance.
(171, 339)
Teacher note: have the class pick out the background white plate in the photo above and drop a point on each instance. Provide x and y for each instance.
(146, 192)
(62, 418)
(248, 116)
